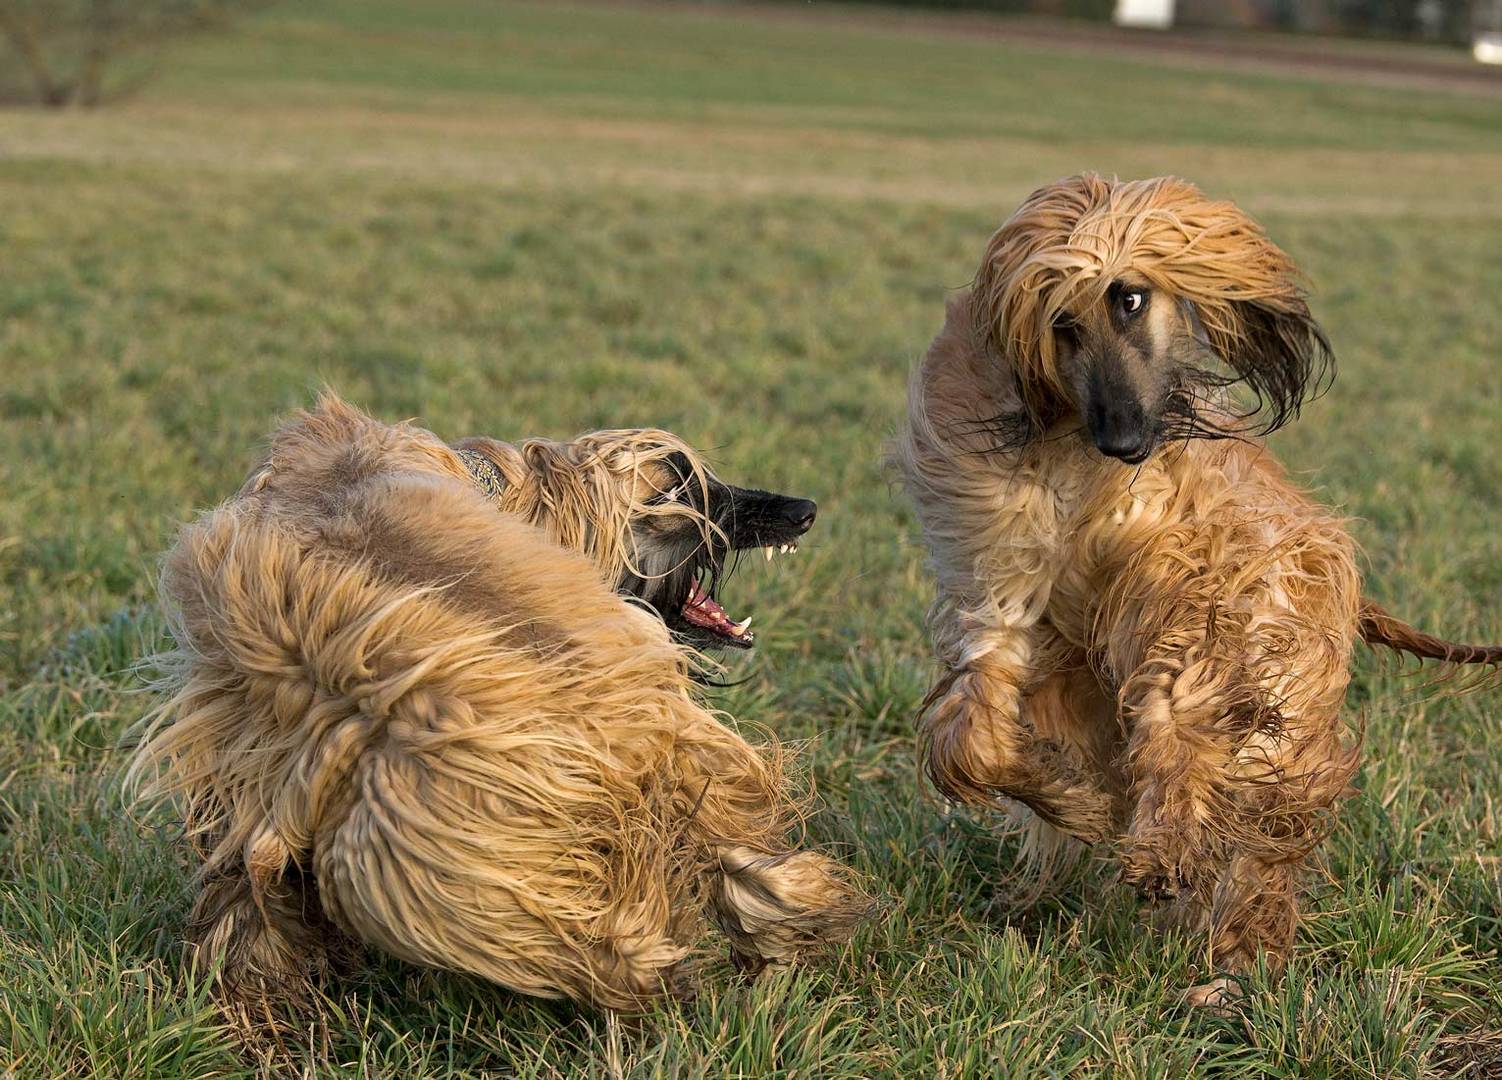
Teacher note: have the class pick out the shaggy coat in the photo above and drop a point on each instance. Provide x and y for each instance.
(403, 712)
(1154, 656)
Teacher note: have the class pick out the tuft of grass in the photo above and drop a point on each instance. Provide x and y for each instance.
(537, 219)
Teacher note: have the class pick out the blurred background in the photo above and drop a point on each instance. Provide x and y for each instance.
(85, 52)
(738, 221)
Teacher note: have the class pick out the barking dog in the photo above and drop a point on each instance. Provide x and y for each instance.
(427, 698)
(1145, 628)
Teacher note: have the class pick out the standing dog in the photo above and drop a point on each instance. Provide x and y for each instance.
(430, 699)
(1145, 628)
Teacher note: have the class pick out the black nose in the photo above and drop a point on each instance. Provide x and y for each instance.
(1119, 430)
(1123, 445)
(800, 513)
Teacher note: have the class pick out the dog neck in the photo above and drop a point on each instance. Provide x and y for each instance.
(484, 473)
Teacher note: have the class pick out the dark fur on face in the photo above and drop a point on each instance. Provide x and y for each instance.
(1137, 309)
(1142, 372)
(651, 515)
(679, 566)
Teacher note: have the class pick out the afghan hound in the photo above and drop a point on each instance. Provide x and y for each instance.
(1144, 628)
(429, 698)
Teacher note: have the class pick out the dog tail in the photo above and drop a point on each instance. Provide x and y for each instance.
(1377, 627)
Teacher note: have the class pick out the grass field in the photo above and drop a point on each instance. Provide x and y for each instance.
(540, 219)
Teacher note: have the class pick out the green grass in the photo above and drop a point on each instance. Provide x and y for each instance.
(522, 220)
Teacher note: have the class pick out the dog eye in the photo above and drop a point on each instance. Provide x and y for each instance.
(1132, 302)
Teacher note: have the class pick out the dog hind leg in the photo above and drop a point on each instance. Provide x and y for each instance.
(775, 907)
(772, 900)
(262, 938)
(1254, 909)
(547, 897)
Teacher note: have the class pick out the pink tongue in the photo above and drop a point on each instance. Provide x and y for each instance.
(702, 611)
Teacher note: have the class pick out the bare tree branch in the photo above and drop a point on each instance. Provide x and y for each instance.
(70, 48)
(23, 40)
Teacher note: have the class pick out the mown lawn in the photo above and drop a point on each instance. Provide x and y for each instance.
(541, 219)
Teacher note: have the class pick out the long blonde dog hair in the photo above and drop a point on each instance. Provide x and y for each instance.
(1066, 243)
(403, 712)
(592, 494)
(1153, 649)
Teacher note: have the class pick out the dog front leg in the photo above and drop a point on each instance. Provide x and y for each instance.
(1178, 759)
(1223, 848)
(978, 743)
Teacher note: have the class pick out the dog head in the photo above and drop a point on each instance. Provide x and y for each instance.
(1133, 309)
(649, 512)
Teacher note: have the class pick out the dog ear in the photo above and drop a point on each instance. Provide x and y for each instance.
(1249, 302)
(1280, 354)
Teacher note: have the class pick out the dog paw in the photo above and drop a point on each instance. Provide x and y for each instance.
(1150, 870)
(1217, 995)
(1160, 863)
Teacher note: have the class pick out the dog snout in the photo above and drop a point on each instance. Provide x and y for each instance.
(800, 513)
(1120, 430)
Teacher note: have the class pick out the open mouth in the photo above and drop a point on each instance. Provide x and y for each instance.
(703, 611)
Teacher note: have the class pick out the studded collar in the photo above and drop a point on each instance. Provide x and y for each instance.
(484, 473)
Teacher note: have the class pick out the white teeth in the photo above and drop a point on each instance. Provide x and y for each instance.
(741, 627)
(768, 552)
